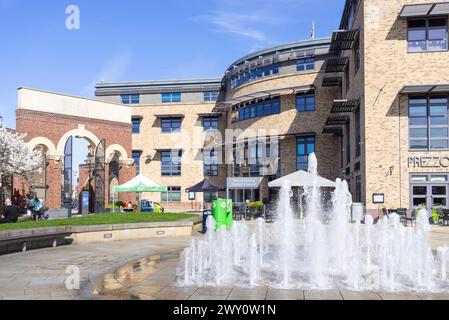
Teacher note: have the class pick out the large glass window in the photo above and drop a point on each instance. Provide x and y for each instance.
(305, 64)
(171, 125)
(260, 108)
(130, 98)
(427, 34)
(428, 122)
(171, 162)
(210, 96)
(136, 155)
(305, 146)
(210, 123)
(171, 97)
(210, 162)
(210, 197)
(305, 102)
(173, 194)
(136, 125)
(250, 75)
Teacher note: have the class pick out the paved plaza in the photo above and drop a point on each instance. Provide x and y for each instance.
(41, 274)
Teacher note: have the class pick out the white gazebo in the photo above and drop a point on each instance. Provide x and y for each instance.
(302, 179)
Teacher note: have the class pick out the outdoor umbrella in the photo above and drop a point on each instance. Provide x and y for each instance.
(204, 186)
(302, 179)
(140, 184)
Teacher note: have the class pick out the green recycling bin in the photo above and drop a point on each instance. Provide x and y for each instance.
(223, 214)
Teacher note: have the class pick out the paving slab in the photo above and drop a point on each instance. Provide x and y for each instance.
(213, 292)
(207, 298)
(357, 295)
(399, 296)
(323, 295)
(434, 296)
(279, 294)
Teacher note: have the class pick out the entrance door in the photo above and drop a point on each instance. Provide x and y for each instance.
(430, 191)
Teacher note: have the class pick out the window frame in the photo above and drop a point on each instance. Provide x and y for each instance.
(210, 96)
(128, 99)
(171, 169)
(304, 97)
(306, 63)
(135, 128)
(252, 110)
(171, 97)
(168, 196)
(426, 29)
(137, 159)
(306, 141)
(171, 121)
(210, 167)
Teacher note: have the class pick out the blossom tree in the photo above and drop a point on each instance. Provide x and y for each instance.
(17, 159)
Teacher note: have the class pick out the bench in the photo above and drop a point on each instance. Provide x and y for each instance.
(23, 241)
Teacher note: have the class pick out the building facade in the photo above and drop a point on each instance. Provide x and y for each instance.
(371, 101)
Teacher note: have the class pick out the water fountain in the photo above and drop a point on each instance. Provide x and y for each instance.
(318, 253)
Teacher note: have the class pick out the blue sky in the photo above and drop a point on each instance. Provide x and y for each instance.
(142, 40)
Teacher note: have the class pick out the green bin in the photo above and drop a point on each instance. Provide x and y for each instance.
(223, 214)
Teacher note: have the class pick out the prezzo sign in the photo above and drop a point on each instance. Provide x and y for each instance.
(428, 162)
(243, 183)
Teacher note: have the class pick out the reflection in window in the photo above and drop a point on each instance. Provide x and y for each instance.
(427, 34)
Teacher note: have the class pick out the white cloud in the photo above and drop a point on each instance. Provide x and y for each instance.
(113, 70)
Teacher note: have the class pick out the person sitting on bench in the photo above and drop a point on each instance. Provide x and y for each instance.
(129, 207)
(10, 214)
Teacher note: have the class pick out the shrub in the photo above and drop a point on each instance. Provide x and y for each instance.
(257, 204)
(119, 204)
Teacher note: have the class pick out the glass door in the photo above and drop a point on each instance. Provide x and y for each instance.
(430, 191)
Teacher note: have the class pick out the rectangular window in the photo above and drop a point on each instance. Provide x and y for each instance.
(305, 146)
(173, 194)
(260, 108)
(171, 162)
(427, 34)
(358, 134)
(171, 125)
(305, 102)
(210, 123)
(171, 97)
(210, 96)
(305, 64)
(210, 161)
(428, 122)
(209, 197)
(130, 98)
(136, 125)
(136, 155)
(357, 57)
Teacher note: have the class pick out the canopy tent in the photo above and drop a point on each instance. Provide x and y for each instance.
(204, 186)
(302, 179)
(139, 184)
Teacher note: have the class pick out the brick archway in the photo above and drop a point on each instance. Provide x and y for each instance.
(49, 119)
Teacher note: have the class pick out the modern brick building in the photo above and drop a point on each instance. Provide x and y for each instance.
(371, 101)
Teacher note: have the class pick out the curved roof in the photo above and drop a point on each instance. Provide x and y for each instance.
(305, 44)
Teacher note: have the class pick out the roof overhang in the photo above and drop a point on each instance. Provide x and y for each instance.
(168, 116)
(224, 106)
(331, 81)
(343, 40)
(425, 89)
(345, 106)
(338, 64)
(424, 10)
(333, 121)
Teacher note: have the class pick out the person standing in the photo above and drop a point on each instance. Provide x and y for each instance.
(11, 213)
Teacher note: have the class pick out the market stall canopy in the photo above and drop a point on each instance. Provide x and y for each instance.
(204, 186)
(140, 184)
(302, 179)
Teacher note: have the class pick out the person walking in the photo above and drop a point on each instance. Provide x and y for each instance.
(10, 213)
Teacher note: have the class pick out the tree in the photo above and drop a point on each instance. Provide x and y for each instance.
(17, 159)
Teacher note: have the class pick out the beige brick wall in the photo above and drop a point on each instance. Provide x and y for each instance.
(388, 69)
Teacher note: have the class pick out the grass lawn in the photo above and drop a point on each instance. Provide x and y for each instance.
(99, 219)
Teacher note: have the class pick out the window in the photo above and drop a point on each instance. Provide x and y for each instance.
(358, 189)
(305, 146)
(260, 108)
(348, 143)
(171, 125)
(210, 162)
(357, 57)
(173, 194)
(136, 155)
(358, 134)
(305, 64)
(210, 96)
(171, 97)
(171, 162)
(210, 123)
(130, 98)
(428, 122)
(427, 34)
(305, 102)
(347, 78)
(136, 125)
(210, 197)
(251, 75)
(349, 20)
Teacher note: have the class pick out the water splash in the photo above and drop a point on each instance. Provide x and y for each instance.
(316, 253)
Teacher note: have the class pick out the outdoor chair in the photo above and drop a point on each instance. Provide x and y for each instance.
(445, 217)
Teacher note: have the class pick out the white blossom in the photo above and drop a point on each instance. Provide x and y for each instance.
(17, 159)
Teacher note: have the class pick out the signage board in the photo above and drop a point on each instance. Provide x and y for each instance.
(428, 162)
(244, 183)
(378, 198)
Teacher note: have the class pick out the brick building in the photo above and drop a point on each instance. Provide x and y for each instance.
(371, 101)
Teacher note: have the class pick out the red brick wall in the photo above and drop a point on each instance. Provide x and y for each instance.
(54, 126)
